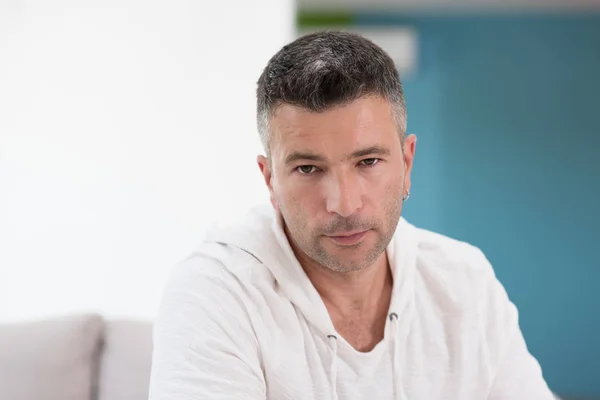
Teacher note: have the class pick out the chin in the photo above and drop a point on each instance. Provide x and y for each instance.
(352, 262)
(349, 266)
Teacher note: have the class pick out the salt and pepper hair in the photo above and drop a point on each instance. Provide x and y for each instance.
(325, 69)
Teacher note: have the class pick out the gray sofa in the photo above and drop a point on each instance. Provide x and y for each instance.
(79, 357)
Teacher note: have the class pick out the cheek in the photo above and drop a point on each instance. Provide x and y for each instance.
(287, 200)
(298, 194)
(383, 186)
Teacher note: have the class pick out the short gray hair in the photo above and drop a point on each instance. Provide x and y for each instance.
(324, 69)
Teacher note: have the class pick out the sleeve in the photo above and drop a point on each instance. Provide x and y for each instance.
(204, 344)
(514, 373)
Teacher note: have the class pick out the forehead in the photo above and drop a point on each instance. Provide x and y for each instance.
(337, 131)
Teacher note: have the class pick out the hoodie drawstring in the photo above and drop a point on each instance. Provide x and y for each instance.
(333, 367)
(395, 356)
(398, 392)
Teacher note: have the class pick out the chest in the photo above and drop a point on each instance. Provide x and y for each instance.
(363, 329)
(363, 335)
(318, 371)
(304, 363)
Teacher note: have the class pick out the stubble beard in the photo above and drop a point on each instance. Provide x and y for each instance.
(311, 242)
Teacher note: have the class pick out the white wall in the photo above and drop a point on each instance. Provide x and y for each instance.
(126, 127)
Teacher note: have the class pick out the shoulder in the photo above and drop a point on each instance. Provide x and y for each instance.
(445, 253)
(203, 296)
(457, 278)
(460, 278)
(196, 283)
(213, 276)
(456, 272)
(203, 330)
(215, 267)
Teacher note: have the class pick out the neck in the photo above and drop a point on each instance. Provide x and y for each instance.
(353, 291)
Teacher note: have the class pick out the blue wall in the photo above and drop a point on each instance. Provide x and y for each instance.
(507, 114)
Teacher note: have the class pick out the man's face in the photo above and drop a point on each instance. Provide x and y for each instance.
(337, 178)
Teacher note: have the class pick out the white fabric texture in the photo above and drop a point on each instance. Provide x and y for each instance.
(240, 319)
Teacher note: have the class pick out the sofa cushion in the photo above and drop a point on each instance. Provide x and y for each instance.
(126, 360)
(53, 359)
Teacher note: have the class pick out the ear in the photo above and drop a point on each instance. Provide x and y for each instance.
(410, 144)
(266, 170)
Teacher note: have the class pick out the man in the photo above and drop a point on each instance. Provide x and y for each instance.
(328, 293)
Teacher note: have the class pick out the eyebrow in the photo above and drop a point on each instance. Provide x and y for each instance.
(308, 156)
(371, 151)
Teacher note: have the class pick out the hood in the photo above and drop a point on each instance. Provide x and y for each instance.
(260, 233)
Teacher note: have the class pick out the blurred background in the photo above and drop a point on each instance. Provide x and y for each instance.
(127, 128)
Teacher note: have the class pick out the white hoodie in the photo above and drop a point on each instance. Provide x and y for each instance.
(240, 319)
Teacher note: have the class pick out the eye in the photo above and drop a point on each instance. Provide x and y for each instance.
(369, 162)
(306, 169)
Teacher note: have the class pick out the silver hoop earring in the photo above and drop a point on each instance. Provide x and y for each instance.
(406, 196)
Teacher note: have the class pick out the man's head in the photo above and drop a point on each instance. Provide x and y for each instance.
(332, 119)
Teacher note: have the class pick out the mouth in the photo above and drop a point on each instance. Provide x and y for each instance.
(348, 238)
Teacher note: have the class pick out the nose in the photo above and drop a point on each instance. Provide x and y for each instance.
(343, 195)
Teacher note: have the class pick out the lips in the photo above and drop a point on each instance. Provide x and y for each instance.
(348, 238)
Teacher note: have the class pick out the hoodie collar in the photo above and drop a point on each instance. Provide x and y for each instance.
(261, 234)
